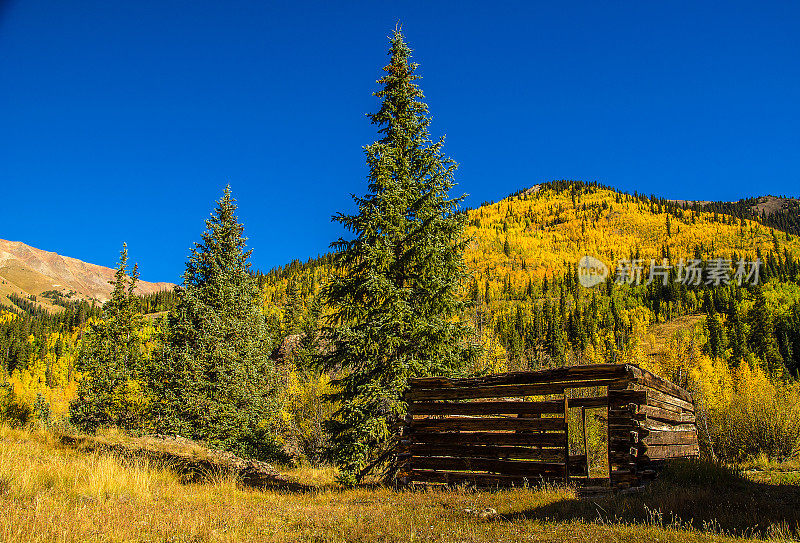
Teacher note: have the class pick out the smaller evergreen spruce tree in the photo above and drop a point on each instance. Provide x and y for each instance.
(111, 391)
(217, 383)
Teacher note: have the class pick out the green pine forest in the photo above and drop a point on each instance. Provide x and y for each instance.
(307, 363)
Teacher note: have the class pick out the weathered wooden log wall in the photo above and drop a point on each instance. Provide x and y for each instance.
(650, 420)
(509, 429)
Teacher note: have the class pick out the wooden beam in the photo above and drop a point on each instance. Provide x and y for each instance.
(483, 451)
(566, 439)
(499, 391)
(467, 424)
(550, 439)
(492, 465)
(681, 437)
(624, 397)
(571, 373)
(478, 479)
(651, 380)
(656, 452)
(589, 403)
(585, 439)
(666, 398)
(665, 415)
(662, 426)
(652, 402)
(578, 465)
(485, 408)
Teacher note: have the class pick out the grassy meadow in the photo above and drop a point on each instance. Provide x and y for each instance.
(52, 492)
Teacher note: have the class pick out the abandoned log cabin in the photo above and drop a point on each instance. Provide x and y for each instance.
(524, 427)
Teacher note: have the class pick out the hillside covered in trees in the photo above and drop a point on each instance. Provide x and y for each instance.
(526, 306)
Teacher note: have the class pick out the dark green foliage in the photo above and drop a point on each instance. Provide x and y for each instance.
(158, 301)
(786, 218)
(788, 334)
(214, 380)
(394, 297)
(716, 335)
(112, 361)
(293, 313)
(762, 335)
(41, 409)
(737, 334)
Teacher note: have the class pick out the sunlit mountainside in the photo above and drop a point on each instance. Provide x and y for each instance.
(529, 309)
(550, 226)
(47, 278)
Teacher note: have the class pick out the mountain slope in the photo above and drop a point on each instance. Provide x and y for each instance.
(522, 254)
(549, 226)
(27, 271)
(543, 230)
(775, 211)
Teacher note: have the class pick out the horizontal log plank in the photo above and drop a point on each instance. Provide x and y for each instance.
(620, 458)
(572, 373)
(666, 415)
(654, 450)
(624, 397)
(467, 424)
(486, 408)
(577, 460)
(652, 464)
(619, 414)
(623, 427)
(620, 439)
(645, 449)
(478, 479)
(577, 471)
(651, 401)
(684, 437)
(651, 380)
(666, 398)
(549, 439)
(484, 451)
(657, 452)
(499, 391)
(588, 403)
(492, 465)
(621, 417)
(661, 426)
(621, 475)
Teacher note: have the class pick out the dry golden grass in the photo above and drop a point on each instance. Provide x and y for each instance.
(52, 493)
(660, 335)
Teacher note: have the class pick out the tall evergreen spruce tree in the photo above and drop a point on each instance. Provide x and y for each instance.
(110, 392)
(394, 299)
(217, 382)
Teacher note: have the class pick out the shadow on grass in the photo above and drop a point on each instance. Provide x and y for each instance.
(698, 494)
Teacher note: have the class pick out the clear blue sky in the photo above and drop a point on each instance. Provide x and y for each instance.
(123, 121)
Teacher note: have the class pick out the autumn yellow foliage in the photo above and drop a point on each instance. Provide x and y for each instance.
(548, 229)
(746, 413)
(304, 413)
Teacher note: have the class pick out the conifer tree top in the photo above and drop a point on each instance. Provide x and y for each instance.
(223, 248)
(402, 113)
